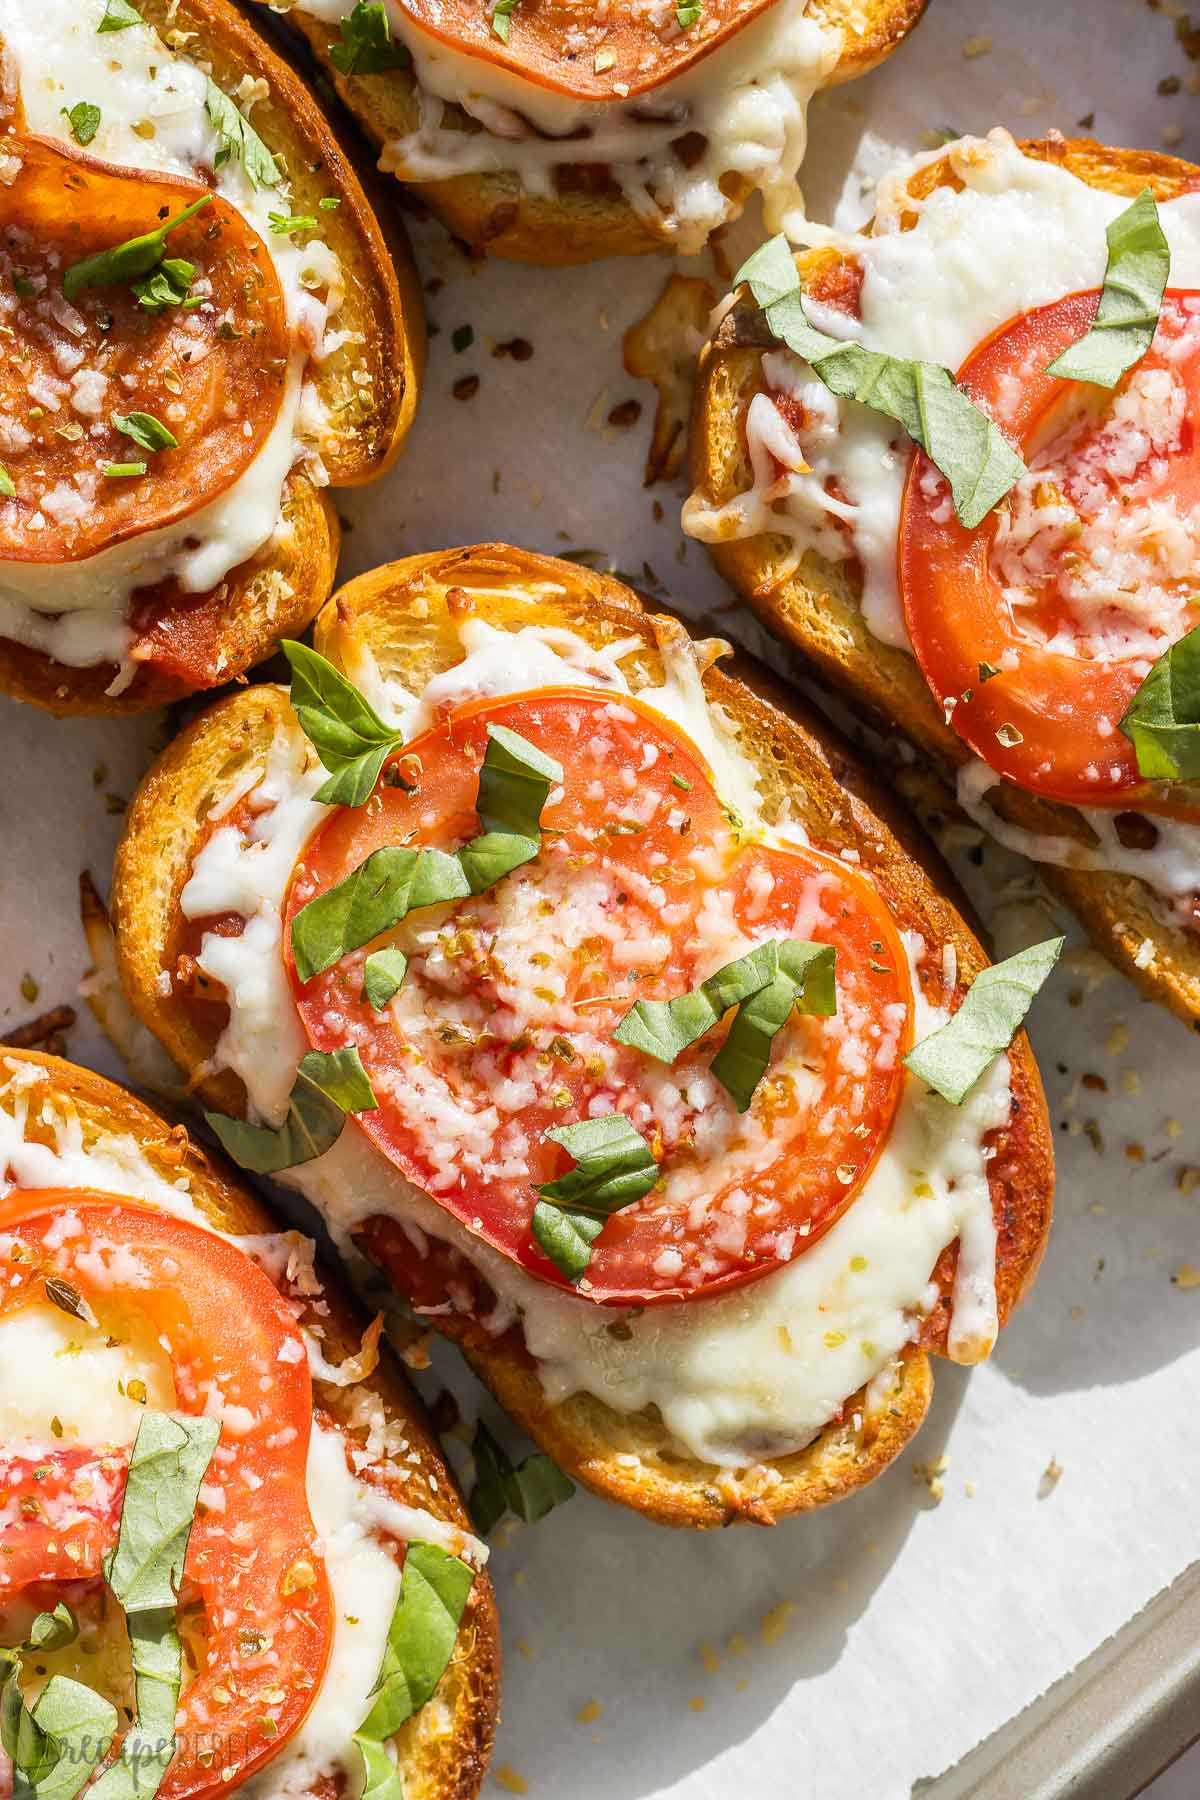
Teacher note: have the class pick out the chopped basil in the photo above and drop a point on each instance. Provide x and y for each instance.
(514, 783)
(54, 1630)
(1162, 721)
(367, 47)
(56, 1745)
(383, 972)
(84, 120)
(239, 140)
(530, 1489)
(665, 1028)
(168, 286)
(1135, 279)
(502, 14)
(952, 1059)
(688, 13)
(129, 261)
(384, 889)
(7, 490)
(614, 1167)
(328, 203)
(805, 979)
(122, 471)
(118, 16)
(959, 439)
(145, 430)
(421, 1636)
(281, 223)
(487, 859)
(381, 1777)
(329, 1084)
(343, 727)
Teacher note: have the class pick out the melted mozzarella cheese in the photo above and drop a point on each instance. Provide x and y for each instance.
(64, 1381)
(1018, 234)
(746, 1375)
(748, 100)
(153, 117)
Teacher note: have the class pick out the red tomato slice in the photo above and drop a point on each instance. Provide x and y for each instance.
(503, 1026)
(1024, 592)
(253, 1561)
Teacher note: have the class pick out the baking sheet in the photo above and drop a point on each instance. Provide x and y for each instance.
(1051, 1494)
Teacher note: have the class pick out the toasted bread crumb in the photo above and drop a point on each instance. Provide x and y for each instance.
(777, 1621)
(1186, 1276)
(1051, 1476)
(587, 1715)
(697, 1703)
(976, 46)
(710, 1660)
(510, 1779)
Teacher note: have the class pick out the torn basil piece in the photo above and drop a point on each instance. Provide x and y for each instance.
(1162, 721)
(367, 46)
(56, 1744)
(383, 972)
(529, 1489)
(343, 727)
(381, 1777)
(382, 891)
(239, 140)
(666, 1028)
(960, 440)
(329, 1084)
(952, 1059)
(805, 981)
(614, 1167)
(488, 859)
(514, 783)
(421, 1636)
(129, 261)
(53, 1630)
(1135, 280)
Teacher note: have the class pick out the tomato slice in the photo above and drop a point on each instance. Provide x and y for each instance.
(502, 1028)
(213, 375)
(1075, 590)
(556, 44)
(254, 1562)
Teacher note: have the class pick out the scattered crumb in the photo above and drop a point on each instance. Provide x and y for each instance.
(1172, 134)
(466, 388)
(931, 1474)
(524, 1647)
(1173, 1128)
(587, 1715)
(1051, 1476)
(510, 1779)
(710, 1660)
(1117, 1041)
(1131, 1081)
(1186, 1276)
(969, 1489)
(741, 1684)
(777, 1621)
(976, 46)
(1187, 1180)
(737, 1645)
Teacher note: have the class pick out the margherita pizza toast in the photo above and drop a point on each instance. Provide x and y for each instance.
(641, 999)
(204, 330)
(670, 118)
(209, 1462)
(1019, 596)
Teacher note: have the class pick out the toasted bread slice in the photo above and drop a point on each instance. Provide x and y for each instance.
(817, 608)
(405, 615)
(442, 1750)
(587, 217)
(368, 385)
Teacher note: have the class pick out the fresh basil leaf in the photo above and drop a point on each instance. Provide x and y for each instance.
(84, 120)
(421, 1636)
(129, 261)
(145, 430)
(502, 14)
(960, 440)
(168, 286)
(56, 1747)
(118, 16)
(529, 1490)
(7, 490)
(384, 889)
(367, 47)
(381, 1777)
(665, 1028)
(514, 783)
(239, 140)
(329, 1084)
(614, 1167)
(343, 727)
(383, 972)
(168, 1464)
(688, 14)
(805, 980)
(487, 859)
(952, 1059)
(1162, 721)
(1135, 280)
(53, 1630)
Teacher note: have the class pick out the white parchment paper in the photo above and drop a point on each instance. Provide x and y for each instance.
(851, 1655)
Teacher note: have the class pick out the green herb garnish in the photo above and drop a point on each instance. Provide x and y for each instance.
(1135, 279)
(129, 261)
(239, 140)
(614, 1168)
(145, 430)
(1162, 721)
(528, 1489)
(367, 47)
(383, 972)
(952, 1059)
(329, 1085)
(119, 16)
(84, 120)
(502, 14)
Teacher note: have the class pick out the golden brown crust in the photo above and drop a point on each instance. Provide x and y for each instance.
(369, 386)
(440, 1759)
(817, 608)
(401, 613)
(587, 217)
